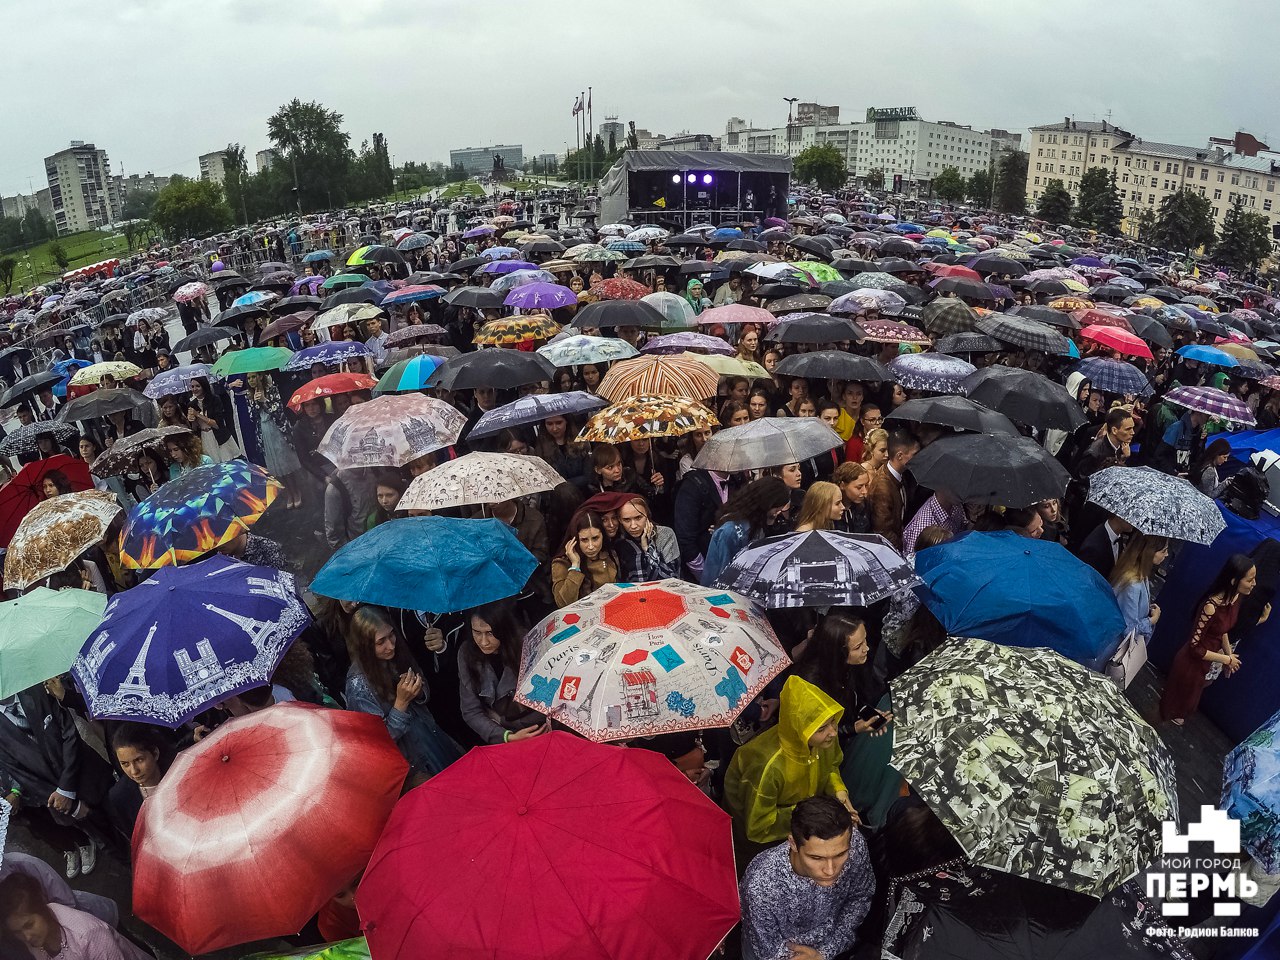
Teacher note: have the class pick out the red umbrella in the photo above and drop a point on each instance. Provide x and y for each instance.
(955, 270)
(20, 495)
(259, 824)
(619, 288)
(549, 848)
(328, 386)
(1122, 341)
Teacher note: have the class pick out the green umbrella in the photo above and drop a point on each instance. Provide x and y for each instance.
(343, 280)
(822, 272)
(1037, 765)
(253, 360)
(41, 634)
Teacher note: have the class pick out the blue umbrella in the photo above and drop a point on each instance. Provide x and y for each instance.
(1202, 353)
(1021, 592)
(318, 256)
(436, 564)
(252, 297)
(187, 638)
(415, 241)
(626, 246)
(1115, 376)
(724, 234)
(1251, 793)
(497, 253)
(66, 369)
(330, 354)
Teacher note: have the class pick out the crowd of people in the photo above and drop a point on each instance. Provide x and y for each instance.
(1139, 358)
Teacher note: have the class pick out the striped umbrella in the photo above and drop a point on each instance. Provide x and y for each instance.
(1214, 402)
(658, 376)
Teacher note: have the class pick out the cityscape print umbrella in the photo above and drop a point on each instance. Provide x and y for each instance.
(627, 859)
(576, 350)
(391, 431)
(820, 568)
(41, 633)
(1038, 766)
(1251, 793)
(55, 533)
(218, 845)
(535, 408)
(643, 659)
(1214, 402)
(936, 372)
(479, 478)
(187, 638)
(327, 354)
(196, 512)
(639, 417)
(658, 376)
(1157, 504)
(767, 442)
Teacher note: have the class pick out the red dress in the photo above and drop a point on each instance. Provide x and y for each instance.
(1186, 680)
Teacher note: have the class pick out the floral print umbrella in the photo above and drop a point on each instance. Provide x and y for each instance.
(509, 331)
(937, 372)
(479, 478)
(639, 417)
(391, 431)
(619, 288)
(891, 331)
(55, 533)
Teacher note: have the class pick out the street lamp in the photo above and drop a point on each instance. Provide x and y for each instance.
(791, 102)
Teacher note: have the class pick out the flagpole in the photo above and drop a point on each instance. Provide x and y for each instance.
(586, 140)
(577, 132)
(591, 125)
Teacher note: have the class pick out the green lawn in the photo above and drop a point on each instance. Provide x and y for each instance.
(467, 188)
(82, 249)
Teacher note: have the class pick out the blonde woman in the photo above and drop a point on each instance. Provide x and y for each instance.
(875, 450)
(823, 506)
(1131, 581)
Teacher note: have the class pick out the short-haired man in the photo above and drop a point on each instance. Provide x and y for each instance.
(1112, 448)
(804, 899)
(888, 490)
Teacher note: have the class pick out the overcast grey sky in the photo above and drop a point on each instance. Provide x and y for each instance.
(158, 82)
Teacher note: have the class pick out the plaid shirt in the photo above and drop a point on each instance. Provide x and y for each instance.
(932, 514)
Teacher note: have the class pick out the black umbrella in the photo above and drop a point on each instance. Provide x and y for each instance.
(1055, 318)
(1111, 293)
(777, 291)
(852, 265)
(28, 387)
(295, 304)
(1011, 471)
(376, 253)
(750, 246)
(467, 264)
(102, 402)
(967, 342)
(542, 246)
(815, 328)
(1167, 294)
(1025, 333)
(653, 261)
(619, 313)
(204, 337)
(352, 295)
(492, 368)
(1026, 397)
(1046, 286)
(958, 412)
(964, 287)
(476, 298)
(228, 278)
(989, 263)
(896, 265)
(899, 247)
(685, 240)
(235, 316)
(1151, 330)
(798, 302)
(834, 365)
(691, 267)
(811, 245)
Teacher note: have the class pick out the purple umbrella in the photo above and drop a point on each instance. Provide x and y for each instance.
(478, 232)
(507, 266)
(329, 354)
(1214, 402)
(680, 342)
(1087, 262)
(541, 296)
(312, 282)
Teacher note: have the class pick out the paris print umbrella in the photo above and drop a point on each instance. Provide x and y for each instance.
(936, 372)
(768, 442)
(187, 638)
(534, 408)
(1038, 766)
(638, 417)
(821, 568)
(621, 857)
(576, 350)
(327, 354)
(1157, 504)
(55, 533)
(175, 381)
(658, 376)
(25, 491)
(196, 512)
(1115, 376)
(1214, 402)
(479, 478)
(643, 659)
(263, 821)
(391, 431)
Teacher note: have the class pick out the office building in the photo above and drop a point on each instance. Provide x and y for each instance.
(16, 207)
(613, 127)
(688, 141)
(266, 159)
(213, 166)
(813, 114)
(81, 192)
(479, 160)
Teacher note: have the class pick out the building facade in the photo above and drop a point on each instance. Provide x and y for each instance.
(688, 141)
(477, 160)
(213, 166)
(81, 192)
(265, 159)
(815, 114)
(613, 127)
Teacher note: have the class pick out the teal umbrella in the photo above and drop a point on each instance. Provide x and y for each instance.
(409, 375)
(41, 634)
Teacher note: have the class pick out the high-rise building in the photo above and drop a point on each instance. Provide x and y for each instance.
(16, 207)
(213, 166)
(615, 128)
(480, 159)
(81, 192)
(815, 114)
(266, 159)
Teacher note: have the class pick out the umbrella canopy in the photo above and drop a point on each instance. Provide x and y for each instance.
(834, 365)
(26, 439)
(479, 478)
(579, 349)
(217, 847)
(541, 296)
(1010, 471)
(1157, 504)
(534, 408)
(92, 375)
(959, 413)
(821, 568)
(1121, 341)
(174, 381)
(948, 315)
(1025, 333)
(438, 564)
(626, 858)
(196, 512)
(25, 491)
(28, 387)
(54, 534)
(1251, 793)
(638, 417)
(509, 331)
(41, 633)
(121, 457)
(1214, 402)
(1115, 376)
(330, 385)
(642, 659)
(607, 314)
(1038, 766)
(330, 354)
(187, 638)
(687, 341)
(1007, 589)
(936, 372)
(1026, 397)
(391, 431)
(101, 403)
(410, 374)
(491, 368)
(815, 328)
(658, 376)
(767, 442)
(732, 313)
(251, 360)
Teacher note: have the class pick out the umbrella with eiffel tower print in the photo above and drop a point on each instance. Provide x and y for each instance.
(187, 638)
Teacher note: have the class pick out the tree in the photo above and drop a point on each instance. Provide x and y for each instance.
(979, 187)
(1245, 240)
(138, 204)
(613, 140)
(949, 185)
(1011, 183)
(1144, 225)
(58, 254)
(1184, 221)
(821, 164)
(7, 267)
(310, 138)
(1099, 204)
(191, 208)
(237, 170)
(1055, 203)
(633, 141)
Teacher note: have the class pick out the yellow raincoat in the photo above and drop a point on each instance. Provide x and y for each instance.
(769, 775)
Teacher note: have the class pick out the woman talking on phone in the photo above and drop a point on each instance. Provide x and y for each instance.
(382, 683)
(645, 551)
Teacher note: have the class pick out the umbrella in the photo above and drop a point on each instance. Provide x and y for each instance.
(391, 431)
(318, 256)
(639, 417)
(541, 296)
(1121, 341)
(815, 328)
(607, 314)
(92, 375)
(196, 512)
(330, 385)
(330, 354)
(834, 365)
(768, 442)
(1203, 353)
(997, 469)
(26, 438)
(412, 294)
(1249, 794)
(686, 341)
(732, 313)
(625, 857)
(959, 413)
(1026, 397)
(174, 381)
(343, 313)
(217, 847)
(54, 534)
(491, 368)
(948, 315)
(374, 253)
(1157, 504)
(676, 312)
(641, 659)
(479, 478)
(1115, 376)
(1214, 402)
(41, 633)
(251, 360)
(204, 337)
(1038, 767)
(28, 387)
(409, 375)
(101, 403)
(821, 568)
(534, 408)
(575, 350)
(437, 564)
(190, 291)
(658, 376)
(510, 331)
(25, 491)
(1023, 332)
(936, 372)
(341, 280)
(414, 333)
(187, 638)
(120, 458)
